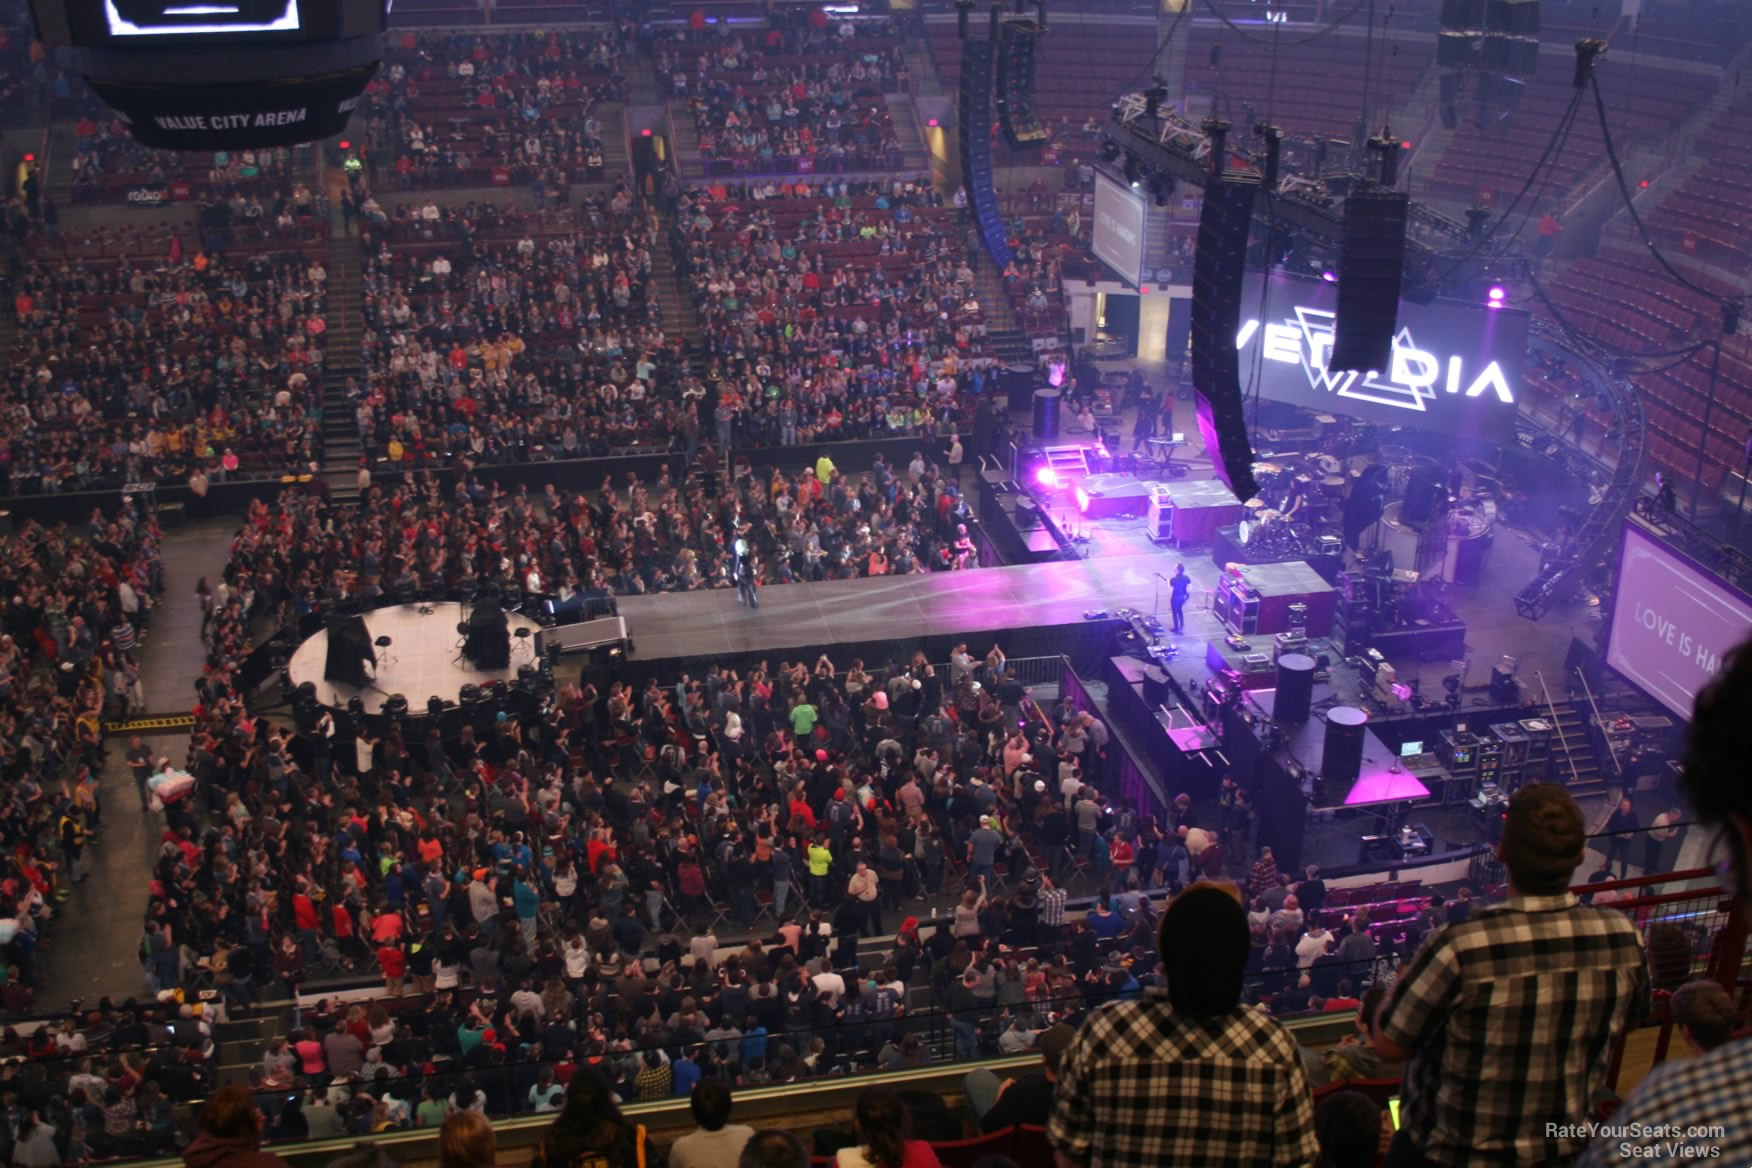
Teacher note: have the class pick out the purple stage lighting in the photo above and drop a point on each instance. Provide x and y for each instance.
(1496, 294)
(1047, 477)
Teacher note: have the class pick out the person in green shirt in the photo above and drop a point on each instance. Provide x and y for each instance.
(820, 861)
(431, 1111)
(824, 470)
(803, 719)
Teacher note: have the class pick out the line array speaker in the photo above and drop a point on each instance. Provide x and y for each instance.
(1017, 39)
(1371, 269)
(974, 112)
(1217, 269)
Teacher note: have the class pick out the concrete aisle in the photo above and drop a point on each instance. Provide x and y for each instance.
(92, 949)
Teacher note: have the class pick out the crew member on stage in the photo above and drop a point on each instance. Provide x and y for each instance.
(1178, 586)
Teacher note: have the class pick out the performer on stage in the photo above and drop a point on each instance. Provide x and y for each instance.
(1178, 586)
(745, 570)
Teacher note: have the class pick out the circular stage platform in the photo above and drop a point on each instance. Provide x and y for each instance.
(423, 660)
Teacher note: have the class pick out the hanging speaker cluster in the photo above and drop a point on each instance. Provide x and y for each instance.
(1499, 39)
(1371, 269)
(1218, 266)
(974, 111)
(1017, 38)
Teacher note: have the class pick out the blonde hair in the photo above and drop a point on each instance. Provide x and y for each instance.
(466, 1141)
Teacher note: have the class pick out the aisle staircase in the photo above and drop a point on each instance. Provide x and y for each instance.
(344, 358)
(679, 318)
(917, 158)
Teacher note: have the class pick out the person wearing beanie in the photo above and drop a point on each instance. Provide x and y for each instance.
(1186, 1074)
(1508, 1016)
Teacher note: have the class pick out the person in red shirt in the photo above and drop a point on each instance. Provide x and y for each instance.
(394, 964)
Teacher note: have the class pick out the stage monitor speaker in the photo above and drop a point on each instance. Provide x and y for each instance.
(1218, 266)
(1295, 689)
(1371, 269)
(1341, 758)
(349, 651)
(1514, 17)
(1457, 50)
(974, 112)
(1017, 39)
(1155, 685)
(1046, 414)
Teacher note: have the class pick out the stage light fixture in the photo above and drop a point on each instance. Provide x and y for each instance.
(1330, 276)
(435, 706)
(1082, 500)
(1496, 295)
(356, 706)
(1047, 477)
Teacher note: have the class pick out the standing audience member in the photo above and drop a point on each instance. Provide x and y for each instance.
(1492, 1073)
(1714, 1088)
(1186, 1075)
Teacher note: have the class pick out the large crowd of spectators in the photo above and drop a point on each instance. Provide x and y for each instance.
(106, 160)
(137, 370)
(78, 601)
(834, 308)
(626, 538)
(451, 106)
(514, 339)
(516, 877)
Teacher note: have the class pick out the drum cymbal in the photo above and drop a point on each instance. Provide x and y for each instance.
(1255, 504)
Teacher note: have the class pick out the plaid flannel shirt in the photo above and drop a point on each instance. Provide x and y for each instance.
(1142, 1084)
(1510, 1016)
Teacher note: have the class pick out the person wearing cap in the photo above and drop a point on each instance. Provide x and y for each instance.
(1186, 1074)
(1507, 1015)
(483, 903)
(1000, 1103)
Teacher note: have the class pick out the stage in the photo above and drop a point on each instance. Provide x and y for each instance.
(966, 604)
(423, 659)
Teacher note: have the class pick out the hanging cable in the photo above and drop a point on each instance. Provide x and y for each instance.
(1630, 203)
(1149, 71)
(1553, 148)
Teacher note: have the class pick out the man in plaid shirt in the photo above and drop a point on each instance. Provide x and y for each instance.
(1509, 1016)
(1703, 1106)
(1186, 1075)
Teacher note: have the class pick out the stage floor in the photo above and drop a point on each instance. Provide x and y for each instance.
(698, 624)
(423, 659)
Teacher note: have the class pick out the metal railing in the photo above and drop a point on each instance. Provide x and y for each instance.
(1562, 738)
